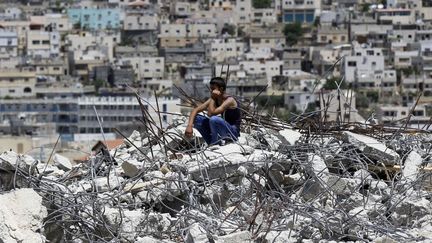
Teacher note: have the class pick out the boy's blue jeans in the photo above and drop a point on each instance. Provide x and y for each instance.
(215, 128)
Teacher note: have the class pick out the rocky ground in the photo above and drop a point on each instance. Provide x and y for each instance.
(283, 185)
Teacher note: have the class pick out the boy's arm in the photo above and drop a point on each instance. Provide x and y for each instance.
(213, 111)
(192, 116)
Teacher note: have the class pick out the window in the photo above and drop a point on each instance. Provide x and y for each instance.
(352, 64)
(36, 42)
(158, 61)
(323, 38)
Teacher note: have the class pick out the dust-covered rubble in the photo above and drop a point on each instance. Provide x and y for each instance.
(269, 186)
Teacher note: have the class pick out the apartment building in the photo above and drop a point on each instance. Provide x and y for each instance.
(220, 50)
(145, 67)
(16, 83)
(330, 35)
(180, 35)
(302, 11)
(95, 18)
(269, 36)
(363, 65)
(264, 16)
(8, 44)
(243, 12)
(43, 44)
(77, 115)
(55, 22)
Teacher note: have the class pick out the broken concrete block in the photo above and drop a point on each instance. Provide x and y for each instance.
(318, 166)
(242, 236)
(278, 237)
(104, 184)
(62, 162)
(342, 186)
(408, 209)
(196, 234)
(9, 160)
(411, 166)
(147, 239)
(22, 215)
(131, 167)
(290, 136)
(372, 148)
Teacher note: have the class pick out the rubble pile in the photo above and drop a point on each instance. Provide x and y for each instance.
(273, 185)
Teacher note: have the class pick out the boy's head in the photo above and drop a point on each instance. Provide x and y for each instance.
(218, 82)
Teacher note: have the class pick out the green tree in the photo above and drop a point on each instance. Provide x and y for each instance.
(333, 83)
(230, 29)
(261, 3)
(293, 32)
(98, 83)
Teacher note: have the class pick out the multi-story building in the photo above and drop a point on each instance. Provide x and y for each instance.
(77, 115)
(43, 44)
(339, 106)
(395, 16)
(55, 22)
(11, 13)
(95, 18)
(219, 50)
(17, 83)
(328, 35)
(146, 67)
(243, 11)
(8, 44)
(180, 35)
(103, 41)
(269, 36)
(264, 16)
(396, 115)
(363, 65)
(302, 11)
(19, 27)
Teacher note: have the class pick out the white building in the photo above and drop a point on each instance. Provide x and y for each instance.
(8, 44)
(243, 10)
(303, 11)
(103, 41)
(179, 35)
(146, 67)
(270, 68)
(43, 44)
(404, 59)
(219, 50)
(363, 65)
(143, 20)
(56, 22)
(17, 83)
(11, 13)
(339, 106)
(264, 16)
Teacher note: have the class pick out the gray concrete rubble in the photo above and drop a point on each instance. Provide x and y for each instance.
(272, 185)
(22, 215)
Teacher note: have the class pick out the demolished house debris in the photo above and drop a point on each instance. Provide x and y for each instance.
(279, 183)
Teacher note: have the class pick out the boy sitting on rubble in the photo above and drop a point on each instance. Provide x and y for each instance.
(216, 129)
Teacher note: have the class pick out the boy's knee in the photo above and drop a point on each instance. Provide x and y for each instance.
(215, 119)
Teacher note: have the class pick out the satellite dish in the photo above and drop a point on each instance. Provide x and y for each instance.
(380, 6)
(373, 6)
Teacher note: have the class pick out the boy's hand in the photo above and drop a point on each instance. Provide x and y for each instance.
(215, 93)
(189, 131)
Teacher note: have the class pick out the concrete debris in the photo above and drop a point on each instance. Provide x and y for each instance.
(272, 185)
(372, 148)
(62, 162)
(411, 166)
(22, 214)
